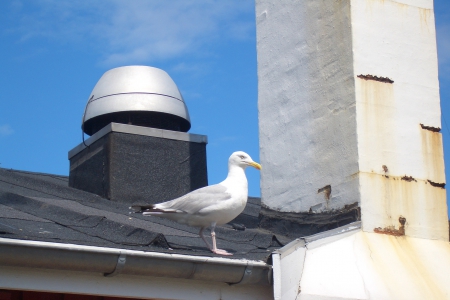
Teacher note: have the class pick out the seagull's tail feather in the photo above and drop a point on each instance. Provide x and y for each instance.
(151, 209)
(141, 208)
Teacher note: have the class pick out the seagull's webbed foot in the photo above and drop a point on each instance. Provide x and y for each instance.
(214, 247)
(221, 252)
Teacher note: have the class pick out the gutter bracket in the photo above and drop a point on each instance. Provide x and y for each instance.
(119, 266)
(247, 276)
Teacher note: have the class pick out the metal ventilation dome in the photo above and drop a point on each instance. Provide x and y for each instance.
(136, 95)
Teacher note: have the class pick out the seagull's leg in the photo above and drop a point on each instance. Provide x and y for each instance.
(203, 238)
(214, 248)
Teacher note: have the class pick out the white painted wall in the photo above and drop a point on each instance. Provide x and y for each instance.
(320, 124)
(306, 103)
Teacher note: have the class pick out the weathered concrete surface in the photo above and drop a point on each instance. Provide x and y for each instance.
(306, 102)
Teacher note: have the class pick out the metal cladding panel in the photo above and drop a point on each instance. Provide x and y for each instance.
(388, 198)
(136, 102)
(132, 168)
(401, 159)
(131, 79)
(362, 265)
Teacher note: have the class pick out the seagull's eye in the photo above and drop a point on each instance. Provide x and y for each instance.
(241, 156)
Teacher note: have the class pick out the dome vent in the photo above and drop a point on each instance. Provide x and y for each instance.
(136, 95)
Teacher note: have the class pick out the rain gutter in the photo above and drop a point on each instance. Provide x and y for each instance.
(112, 262)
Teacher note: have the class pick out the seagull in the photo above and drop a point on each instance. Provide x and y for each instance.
(211, 205)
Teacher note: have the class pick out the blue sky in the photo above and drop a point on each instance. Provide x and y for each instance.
(53, 52)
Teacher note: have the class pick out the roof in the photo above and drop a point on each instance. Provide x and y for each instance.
(42, 207)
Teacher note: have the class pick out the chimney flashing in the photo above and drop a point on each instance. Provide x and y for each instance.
(139, 130)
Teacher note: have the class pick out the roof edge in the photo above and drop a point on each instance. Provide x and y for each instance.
(113, 261)
(304, 241)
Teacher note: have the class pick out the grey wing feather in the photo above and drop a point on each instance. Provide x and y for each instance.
(196, 200)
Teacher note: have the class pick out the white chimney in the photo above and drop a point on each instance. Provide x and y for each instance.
(349, 113)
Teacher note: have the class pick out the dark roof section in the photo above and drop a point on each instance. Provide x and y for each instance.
(41, 207)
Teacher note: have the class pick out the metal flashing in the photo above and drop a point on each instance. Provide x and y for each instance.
(277, 276)
(333, 232)
(295, 224)
(139, 130)
(304, 241)
(291, 247)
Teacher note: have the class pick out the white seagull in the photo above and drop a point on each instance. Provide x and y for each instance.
(211, 205)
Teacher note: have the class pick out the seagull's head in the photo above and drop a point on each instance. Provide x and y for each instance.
(243, 160)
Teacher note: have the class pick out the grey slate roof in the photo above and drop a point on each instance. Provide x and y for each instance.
(41, 207)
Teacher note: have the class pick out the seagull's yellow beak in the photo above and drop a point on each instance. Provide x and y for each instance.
(255, 165)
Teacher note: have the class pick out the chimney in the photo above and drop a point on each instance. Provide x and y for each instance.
(139, 149)
(349, 114)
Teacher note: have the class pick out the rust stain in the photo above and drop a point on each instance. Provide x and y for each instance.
(387, 198)
(404, 256)
(326, 190)
(376, 78)
(424, 205)
(424, 15)
(430, 128)
(354, 175)
(408, 178)
(435, 184)
(432, 153)
(377, 116)
(414, 260)
(386, 170)
(390, 230)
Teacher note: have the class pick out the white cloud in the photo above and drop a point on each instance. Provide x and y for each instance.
(140, 30)
(6, 130)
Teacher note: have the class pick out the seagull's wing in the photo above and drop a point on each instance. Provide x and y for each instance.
(195, 201)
